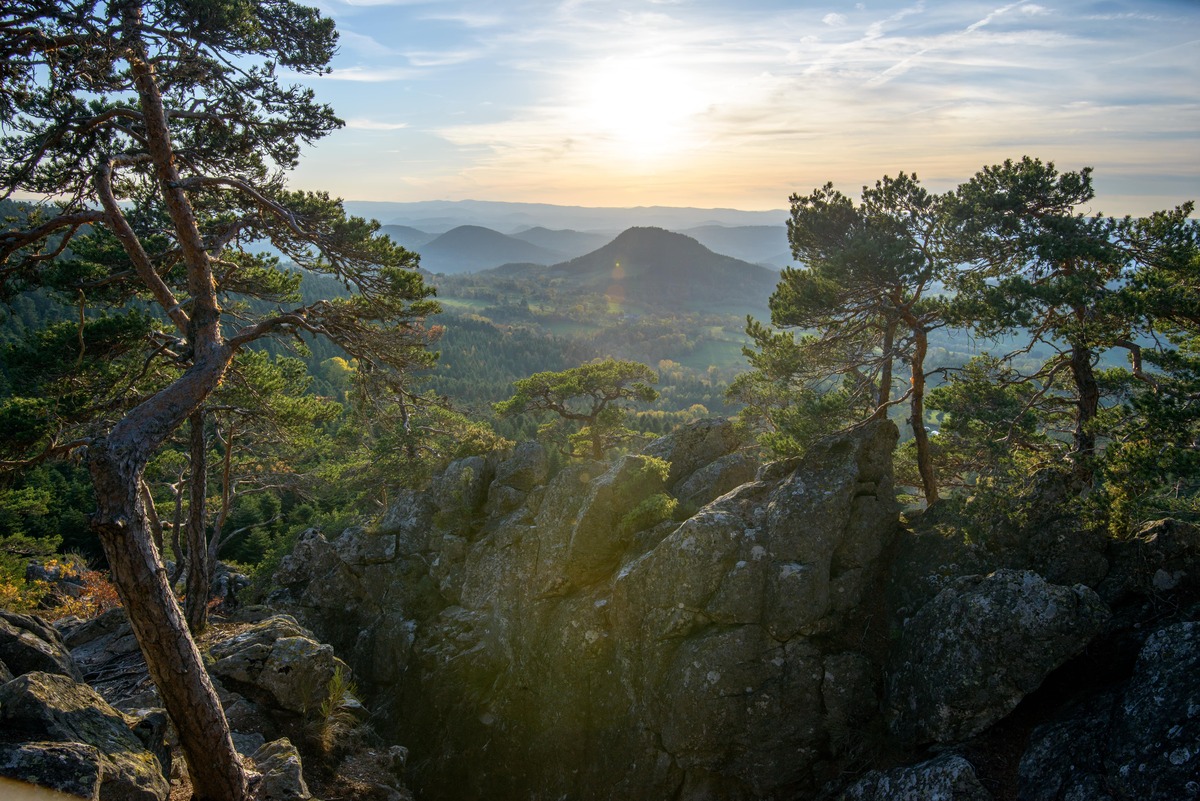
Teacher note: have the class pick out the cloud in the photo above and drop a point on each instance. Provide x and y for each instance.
(363, 45)
(834, 20)
(444, 58)
(467, 19)
(368, 74)
(362, 124)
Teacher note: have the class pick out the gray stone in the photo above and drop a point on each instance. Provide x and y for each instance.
(1064, 758)
(969, 656)
(948, 777)
(716, 478)
(694, 446)
(71, 768)
(279, 659)
(527, 468)
(1154, 753)
(358, 546)
(462, 486)
(410, 518)
(28, 643)
(282, 772)
(45, 707)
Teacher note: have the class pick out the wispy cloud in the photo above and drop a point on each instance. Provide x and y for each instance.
(363, 124)
(368, 74)
(727, 98)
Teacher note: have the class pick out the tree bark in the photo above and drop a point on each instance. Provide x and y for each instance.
(117, 464)
(917, 407)
(885, 376)
(1087, 406)
(199, 569)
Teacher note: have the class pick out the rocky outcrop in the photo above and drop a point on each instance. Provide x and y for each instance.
(969, 656)
(948, 777)
(279, 662)
(28, 643)
(779, 636)
(568, 647)
(51, 722)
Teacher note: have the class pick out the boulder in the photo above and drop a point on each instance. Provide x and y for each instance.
(43, 707)
(462, 487)
(715, 479)
(28, 643)
(1161, 558)
(694, 446)
(410, 518)
(282, 774)
(528, 467)
(947, 777)
(279, 660)
(1154, 752)
(1064, 758)
(70, 768)
(969, 656)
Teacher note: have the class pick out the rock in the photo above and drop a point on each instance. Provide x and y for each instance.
(948, 777)
(279, 659)
(45, 707)
(28, 643)
(410, 518)
(111, 661)
(969, 656)
(462, 487)
(71, 768)
(528, 467)
(5, 674)
(694, 446)
(1161, 558)
(553, 651)
(318, 577)
(1064, 758)
(282, 774)
(1154, 752)
(715, 479)
(598, 537)
(358, 546)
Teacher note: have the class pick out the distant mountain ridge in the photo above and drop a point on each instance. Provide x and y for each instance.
(469, 248)
(439, 216)
(648, 265)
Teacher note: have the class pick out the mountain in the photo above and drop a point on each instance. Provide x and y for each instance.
(470, 248)
(758, 244)
(442, 215)
(406, 236)
(652, 266)
(567, 242)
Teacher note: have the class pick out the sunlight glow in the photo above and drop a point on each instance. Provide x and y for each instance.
(641, 108)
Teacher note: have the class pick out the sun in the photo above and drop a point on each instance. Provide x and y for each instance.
(641, 108)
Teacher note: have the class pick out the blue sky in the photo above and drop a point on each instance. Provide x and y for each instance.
(739, 104)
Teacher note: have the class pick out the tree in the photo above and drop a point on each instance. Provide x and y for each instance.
(158, 133)
(1036, 265)
(865, 288)
(591, 395)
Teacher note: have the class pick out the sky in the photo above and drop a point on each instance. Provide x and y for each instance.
(741, 103)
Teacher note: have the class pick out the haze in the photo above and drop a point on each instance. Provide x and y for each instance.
(739, 104)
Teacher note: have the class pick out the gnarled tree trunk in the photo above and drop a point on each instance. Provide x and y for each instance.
(117, 464)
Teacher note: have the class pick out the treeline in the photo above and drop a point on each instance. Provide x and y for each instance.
(1092, 320)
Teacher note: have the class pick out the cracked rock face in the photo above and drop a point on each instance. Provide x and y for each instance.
(550, 651)
(969, 656)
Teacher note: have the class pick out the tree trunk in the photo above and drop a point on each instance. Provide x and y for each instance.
(117, 464)
(885, 376)
(199, 569)
(917, 406)
(1087, 407)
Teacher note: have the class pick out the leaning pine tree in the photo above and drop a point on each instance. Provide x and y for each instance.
(156, 133)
